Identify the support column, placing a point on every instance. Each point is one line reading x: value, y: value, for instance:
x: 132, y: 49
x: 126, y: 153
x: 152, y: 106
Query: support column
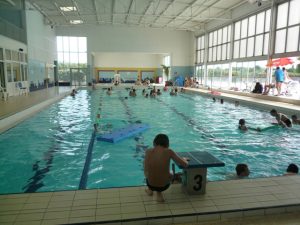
x: 205, y: 58
x: 271, y: 39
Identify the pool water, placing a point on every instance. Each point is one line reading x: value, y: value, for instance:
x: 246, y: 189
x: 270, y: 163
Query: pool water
x: 48, y: 152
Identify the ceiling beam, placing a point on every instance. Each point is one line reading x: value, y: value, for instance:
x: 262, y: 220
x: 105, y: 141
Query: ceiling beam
x: 182, y: 11
x: 146, y: 9
x: 228, y: 10
x: 196, y: 4
x: 193, y: 18
x: 128, y: 11
x: 207, y: 7
x: 96, y: 11
x: 170, y: 3
x: 129, y: 24
x: 112, y: 11
x: 58, y: 9
x: 78, y: 12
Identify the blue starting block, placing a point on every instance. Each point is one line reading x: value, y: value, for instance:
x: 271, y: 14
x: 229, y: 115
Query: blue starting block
x: 123, y: 133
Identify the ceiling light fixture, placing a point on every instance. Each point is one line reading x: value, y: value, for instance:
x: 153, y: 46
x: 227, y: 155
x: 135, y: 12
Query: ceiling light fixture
x: 68, y: 8
x: 76, y: 21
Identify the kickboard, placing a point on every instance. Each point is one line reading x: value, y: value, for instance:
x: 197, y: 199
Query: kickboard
x: 123, y: 133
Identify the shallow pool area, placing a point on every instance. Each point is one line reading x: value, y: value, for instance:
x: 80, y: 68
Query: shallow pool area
x: 50, y: 149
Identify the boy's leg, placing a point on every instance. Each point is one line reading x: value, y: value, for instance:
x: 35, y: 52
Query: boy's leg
x: 148, y: 191
x: 160, y: 197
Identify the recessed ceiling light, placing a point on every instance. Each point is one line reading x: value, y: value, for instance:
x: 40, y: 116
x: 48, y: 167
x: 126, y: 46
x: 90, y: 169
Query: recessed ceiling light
x: 68, y: 8
x: 76, y: 21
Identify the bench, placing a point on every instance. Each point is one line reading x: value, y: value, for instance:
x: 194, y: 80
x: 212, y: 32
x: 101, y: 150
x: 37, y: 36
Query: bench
x: 194, y: 176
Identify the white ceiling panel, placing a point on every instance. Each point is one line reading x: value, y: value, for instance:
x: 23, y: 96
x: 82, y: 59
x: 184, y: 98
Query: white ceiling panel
x: 177, y: 14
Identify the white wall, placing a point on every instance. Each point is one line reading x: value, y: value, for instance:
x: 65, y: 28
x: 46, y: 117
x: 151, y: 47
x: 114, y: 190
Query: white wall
x: 40, y: 37
x: 141, y: 60
x: 11, y: 44
x: 179, y: 44
x: 41, y: 42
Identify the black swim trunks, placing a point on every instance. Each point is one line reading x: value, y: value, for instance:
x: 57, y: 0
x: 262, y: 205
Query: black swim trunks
x: 158, y: 189
x: 288, y: 122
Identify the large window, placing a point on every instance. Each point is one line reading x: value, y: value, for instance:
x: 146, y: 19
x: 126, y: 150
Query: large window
x: 246, y: 74
x: 167, y: 60
x: 243, y: 43
x: 218, y: 76
x: 200, y: 50
x: 251, y: 35
x: 287, y: 27
x: 16, y: 66
x: 200, y: 74
x: 219, y: 44
x: 71, y: 53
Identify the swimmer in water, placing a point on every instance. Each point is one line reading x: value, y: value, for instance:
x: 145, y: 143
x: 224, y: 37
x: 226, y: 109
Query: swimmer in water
x: 242, y: 126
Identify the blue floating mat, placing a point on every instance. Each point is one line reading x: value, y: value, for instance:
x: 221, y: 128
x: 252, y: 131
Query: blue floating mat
x: 123, y: 133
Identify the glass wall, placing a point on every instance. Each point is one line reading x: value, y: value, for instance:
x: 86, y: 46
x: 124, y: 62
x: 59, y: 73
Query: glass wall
x: 218, y: 76
x: 224, y: 76
x: 219, y: 44
x: 71, y: 53
x: 200, y: 75
x: 251, y: 35
x: 200, y: 50
x: 249, y: 39
x: 246, y: 74
x: 287, y: 27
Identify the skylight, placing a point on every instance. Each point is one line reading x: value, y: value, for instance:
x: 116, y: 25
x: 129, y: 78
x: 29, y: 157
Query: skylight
x: 68, y: 8
x: 76, y: 21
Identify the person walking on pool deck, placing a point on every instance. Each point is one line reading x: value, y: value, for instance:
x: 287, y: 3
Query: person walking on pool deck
x: 157, y: 166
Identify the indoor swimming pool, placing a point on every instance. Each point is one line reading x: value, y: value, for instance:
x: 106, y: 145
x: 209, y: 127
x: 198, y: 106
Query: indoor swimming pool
x: 49, y: 151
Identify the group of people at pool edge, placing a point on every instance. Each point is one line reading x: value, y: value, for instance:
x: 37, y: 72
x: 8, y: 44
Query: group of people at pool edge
x: 281, y: 77
x: 153, y: 91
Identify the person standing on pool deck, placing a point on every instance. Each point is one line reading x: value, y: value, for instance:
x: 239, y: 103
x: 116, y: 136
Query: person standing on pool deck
x: 279, y: 77
x: 157, y: 166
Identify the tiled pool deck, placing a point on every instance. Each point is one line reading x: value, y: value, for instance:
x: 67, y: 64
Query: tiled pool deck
x: 274, y: 200
x: 225, y: 201
x: 282, y: 104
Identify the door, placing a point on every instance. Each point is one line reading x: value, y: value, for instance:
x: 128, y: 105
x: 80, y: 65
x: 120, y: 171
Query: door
x: 78, y: 76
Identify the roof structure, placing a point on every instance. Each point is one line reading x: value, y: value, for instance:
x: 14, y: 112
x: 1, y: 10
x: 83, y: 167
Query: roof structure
x: 190, y: 15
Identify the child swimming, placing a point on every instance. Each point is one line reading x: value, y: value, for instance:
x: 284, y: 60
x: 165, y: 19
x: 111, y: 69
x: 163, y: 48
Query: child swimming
x: 242, y: 126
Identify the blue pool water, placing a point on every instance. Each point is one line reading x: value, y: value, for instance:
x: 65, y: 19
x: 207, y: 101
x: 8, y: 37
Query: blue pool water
x: 48, y: 152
